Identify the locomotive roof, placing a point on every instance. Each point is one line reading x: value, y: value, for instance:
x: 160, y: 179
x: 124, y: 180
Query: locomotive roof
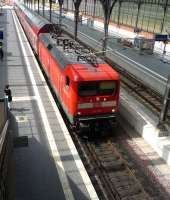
x: 32, y: 16
x: 89, y: 73
x: 64, y: 57
x: 81, y: 69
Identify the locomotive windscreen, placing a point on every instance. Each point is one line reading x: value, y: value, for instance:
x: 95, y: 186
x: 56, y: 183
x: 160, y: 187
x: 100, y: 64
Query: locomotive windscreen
x: 97, y: 88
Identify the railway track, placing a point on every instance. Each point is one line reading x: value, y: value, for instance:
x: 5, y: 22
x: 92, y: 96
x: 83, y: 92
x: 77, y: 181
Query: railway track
x: 147, y: 96
x: 113, y: 177
x: 112, y: 171
x: 109, y: 171
x: 122, y: 184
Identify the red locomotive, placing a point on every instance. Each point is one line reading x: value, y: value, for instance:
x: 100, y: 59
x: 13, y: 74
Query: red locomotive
x: 87, y: 87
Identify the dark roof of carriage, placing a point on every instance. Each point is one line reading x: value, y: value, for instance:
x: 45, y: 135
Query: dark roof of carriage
x: 33, y: 17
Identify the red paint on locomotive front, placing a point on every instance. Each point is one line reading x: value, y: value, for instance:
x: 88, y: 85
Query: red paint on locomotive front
x: 85, y: 73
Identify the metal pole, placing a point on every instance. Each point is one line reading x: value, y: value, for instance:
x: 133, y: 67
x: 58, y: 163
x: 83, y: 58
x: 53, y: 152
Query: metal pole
x: 137, y: 18
x: 31, y: 4
x: 76, y: 16
x: 106, y: 29
x: 94, y: 12
x: 38, y: 6
x: 43, y: 7
x: 34, y: 5
x: 60, y: 16
x: 107, y: 6
x: 6, y: 107
x: 118, y: 20
x: 76, y: 19
x: 50, y: 10
x: 165, y: 11
x: 67, y: 5
x: 164, y: 52
x: 85, y: 10
x: 165, y: 106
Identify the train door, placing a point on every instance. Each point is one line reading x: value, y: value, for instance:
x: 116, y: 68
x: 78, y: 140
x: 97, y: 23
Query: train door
x: 66, y: 93
x: 55, y: 76
x: 61, y: 86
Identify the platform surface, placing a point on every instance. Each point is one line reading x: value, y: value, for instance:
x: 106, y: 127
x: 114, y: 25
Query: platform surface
x: 48, y: 166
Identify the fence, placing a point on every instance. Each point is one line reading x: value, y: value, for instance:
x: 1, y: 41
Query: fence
x: 5, y: 148
x: 3, y: 113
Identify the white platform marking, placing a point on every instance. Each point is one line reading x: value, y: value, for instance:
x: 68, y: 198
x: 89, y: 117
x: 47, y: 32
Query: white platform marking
x: 24, y: 98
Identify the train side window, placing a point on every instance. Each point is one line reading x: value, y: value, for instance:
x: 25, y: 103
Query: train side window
x: 67, y: 82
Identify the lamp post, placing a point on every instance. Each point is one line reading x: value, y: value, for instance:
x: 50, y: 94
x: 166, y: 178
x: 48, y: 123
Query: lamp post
x: 76, y: 16
x: 163, y: 115
x: 107, y: 6
x: 166, y: 101
x: 165, y: 43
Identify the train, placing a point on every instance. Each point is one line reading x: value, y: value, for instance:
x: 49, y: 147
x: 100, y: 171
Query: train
x: 87, y: 88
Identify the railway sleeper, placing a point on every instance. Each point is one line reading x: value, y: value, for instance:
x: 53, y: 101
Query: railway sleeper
x: 103, y: 145
x: 116, y: 166
x: 104, y: 153
x: 102, y: 149
x: 123, y: 183
x: 129, y: 190
x: 132, y: 188
x: 119, y: 183
x: 109, y: 154
x: 141, y: 196
x: 121, y: 175
x: 108, y: 159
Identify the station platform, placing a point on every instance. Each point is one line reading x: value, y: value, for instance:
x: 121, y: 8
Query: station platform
x: 46, y: 164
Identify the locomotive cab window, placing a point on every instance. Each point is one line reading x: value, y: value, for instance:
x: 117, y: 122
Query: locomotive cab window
x: 106, y: 87
x: 97, y: 88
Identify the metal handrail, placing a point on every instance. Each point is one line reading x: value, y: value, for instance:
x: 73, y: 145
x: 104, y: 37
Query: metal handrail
x: 3, y: 120
x: 3, y: 135
x: 5, y: 147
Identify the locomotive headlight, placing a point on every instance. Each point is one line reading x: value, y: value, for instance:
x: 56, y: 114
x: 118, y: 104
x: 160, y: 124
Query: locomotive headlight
x: 97, y: 99
x: 79, y: 113
x: 113, y: 110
